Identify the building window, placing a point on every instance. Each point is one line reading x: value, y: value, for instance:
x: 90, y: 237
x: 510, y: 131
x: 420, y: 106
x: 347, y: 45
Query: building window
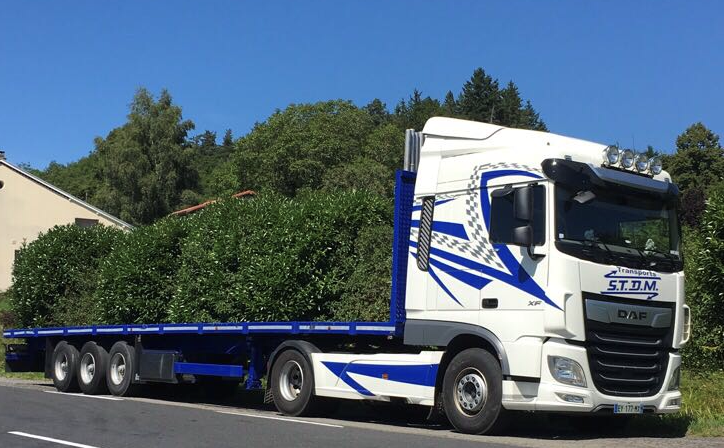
x: 83, y: 222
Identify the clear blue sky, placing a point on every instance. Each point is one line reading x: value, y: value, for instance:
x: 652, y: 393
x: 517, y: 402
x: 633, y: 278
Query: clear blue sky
x: 606, y: 71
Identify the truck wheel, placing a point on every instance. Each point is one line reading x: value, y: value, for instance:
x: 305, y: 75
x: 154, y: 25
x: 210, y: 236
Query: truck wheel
x: 293, y: 384
x: 92, y: 369
x: 121, y: 366
x: 65, y: 365
x: 472, y: 391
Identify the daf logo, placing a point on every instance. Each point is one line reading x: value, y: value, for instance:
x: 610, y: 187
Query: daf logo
x: 632, y: 315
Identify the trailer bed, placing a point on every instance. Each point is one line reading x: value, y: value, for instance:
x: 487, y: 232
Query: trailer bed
x: 243, y: 328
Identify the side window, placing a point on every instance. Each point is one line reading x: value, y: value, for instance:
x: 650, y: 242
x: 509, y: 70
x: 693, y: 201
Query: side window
x: 425, y: 234
x: 503, y: 221
x: 83, y: 222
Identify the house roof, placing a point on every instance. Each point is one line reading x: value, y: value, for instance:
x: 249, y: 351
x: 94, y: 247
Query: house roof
x: 195, y: 208
x: 66, y: 195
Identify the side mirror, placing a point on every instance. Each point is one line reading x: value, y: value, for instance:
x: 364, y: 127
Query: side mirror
x: 522, y: 236
x: 523, y: 203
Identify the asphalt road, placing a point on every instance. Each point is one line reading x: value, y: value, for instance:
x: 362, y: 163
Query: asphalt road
x: 33, y: 415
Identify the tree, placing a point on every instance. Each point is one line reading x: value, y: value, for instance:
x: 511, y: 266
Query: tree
x: 378, y: 111
x: 294, y: 148
x: 698, y: 159
x: 480, y: 97
x: 531, y: 119
x: 450, y: 106
x: 228, y: 141
x: 510, y: 111
x: 145, y: 165
x: 413, y: 113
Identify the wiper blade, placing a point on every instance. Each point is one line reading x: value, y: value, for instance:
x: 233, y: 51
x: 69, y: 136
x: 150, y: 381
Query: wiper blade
x: 669, y: 256
x: 594, y: 244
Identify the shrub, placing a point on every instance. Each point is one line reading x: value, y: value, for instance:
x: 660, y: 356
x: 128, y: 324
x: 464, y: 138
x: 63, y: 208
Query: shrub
x: 54, y: 277
x: 273, y: 258
x: 704, y: 258
x: 138, y: 279
x: 366, y: 293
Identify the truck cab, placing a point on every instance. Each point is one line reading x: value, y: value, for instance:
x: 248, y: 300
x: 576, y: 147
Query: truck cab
x: 559, y: 256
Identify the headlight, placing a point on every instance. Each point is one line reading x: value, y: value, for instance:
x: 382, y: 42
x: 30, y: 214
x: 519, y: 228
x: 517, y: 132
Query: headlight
x: 627, y: 159
x: 566, y: 371
x: 611, y: 155
x: 642, y: 163
x: 655, y: 166
x: 675, y: 379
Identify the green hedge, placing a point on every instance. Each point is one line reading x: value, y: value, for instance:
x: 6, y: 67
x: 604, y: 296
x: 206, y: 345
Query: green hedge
x: 55, y: 276
x: 320, y: 256
x: 273, y: 259
x: 137, y: 281
x: 704, y: 269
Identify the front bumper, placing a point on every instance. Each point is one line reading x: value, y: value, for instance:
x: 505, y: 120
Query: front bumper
x: 548, y: 395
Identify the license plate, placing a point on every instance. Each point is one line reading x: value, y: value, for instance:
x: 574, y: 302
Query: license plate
x: 628, y: 408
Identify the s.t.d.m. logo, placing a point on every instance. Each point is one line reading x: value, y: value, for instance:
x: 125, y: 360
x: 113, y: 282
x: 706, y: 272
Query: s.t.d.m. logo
x: 632, y: 282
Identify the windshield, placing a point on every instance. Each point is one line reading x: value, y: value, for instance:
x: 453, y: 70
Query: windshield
x: 635, y: 230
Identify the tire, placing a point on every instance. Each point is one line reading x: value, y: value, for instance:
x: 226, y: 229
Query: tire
x: 293, y: 384
x: 65, y: 367
x: 121, y: 367
x: 473, y: 392
x: 92, y: 367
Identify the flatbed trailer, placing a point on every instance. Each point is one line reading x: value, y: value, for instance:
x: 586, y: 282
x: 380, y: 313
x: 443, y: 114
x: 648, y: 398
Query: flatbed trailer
x: 520, y: 282
x: 238, y: 349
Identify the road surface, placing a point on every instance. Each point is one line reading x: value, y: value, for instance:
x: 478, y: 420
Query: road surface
x: 33, y: 415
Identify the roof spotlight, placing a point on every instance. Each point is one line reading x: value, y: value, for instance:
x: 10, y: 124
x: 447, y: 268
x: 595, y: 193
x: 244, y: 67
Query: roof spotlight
x: 627, y: 159
x: 611, y: 155
x: 655, y: 166
x: 642, y: 162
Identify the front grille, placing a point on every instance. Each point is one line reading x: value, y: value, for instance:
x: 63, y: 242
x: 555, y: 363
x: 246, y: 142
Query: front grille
x: 627, y: 360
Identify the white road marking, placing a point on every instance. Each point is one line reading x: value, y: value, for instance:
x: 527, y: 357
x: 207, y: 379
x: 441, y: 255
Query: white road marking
x: 49, y: 439
x: 280, y: 418
x: 100, y: 397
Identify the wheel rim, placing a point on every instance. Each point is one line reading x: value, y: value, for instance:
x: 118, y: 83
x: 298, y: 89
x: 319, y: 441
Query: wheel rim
x: 118, y: 368
x: 471, y: 391
x: 87, y: 368
x: 291, y: 380
x: 61, y: 367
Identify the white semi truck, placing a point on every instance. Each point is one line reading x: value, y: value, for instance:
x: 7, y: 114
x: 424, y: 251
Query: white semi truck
x: 531, y: 272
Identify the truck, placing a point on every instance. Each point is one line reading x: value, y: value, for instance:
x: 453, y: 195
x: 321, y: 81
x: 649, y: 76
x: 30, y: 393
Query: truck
x: 530, y: 272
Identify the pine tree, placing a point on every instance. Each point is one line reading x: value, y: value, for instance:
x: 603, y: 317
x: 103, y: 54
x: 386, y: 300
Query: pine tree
x: 228, y: 140
x: 450, y: 106
x: 378, y: 111
x: 480, y: 97
x: 511, y: 108
x: 531, y: 119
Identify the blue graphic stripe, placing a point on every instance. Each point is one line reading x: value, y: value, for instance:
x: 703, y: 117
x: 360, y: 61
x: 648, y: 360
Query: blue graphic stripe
x: 417, y: 208
x: 439, y: 282
x: 448, y: 228
x: 416, y: 374
x: 466, y: 277
x: 519, y: 277
x: 338, y: 368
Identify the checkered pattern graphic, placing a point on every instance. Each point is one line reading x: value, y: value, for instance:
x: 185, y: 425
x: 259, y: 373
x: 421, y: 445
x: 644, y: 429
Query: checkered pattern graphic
x: 479, y: 246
